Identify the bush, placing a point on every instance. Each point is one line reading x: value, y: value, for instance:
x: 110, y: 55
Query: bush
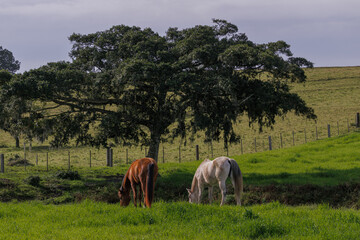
x: 71, y: 175
x: 18, y: 161
x: 33, y: 181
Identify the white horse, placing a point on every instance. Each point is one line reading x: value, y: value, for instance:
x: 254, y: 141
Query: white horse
x: 215, y: 172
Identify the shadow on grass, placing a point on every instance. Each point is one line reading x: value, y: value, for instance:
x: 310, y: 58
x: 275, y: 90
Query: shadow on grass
x: 318, y: 176
x: 172, y: 187
x: 337, y: 188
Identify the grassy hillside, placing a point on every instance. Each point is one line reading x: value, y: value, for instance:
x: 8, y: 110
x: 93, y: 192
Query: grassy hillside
x: 325, y: 171
x: 334, y: 93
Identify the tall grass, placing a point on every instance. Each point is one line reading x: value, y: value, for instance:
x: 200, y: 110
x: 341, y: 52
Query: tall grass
x: 90, y: 220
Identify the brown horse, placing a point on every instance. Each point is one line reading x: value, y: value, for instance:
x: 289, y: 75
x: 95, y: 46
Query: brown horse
x: 142, y: 172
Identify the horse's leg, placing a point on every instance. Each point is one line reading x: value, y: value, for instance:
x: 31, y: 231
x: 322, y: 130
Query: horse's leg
x: 143, y: 189
x: 133, y: 187
x: 210, y: 194
x: 140, y: 196
x: 222, y: 186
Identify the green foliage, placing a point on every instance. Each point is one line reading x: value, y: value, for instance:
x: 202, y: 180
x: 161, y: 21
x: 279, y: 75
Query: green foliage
x: 7, y: 61
x: 5, y: 77
x: 33, y: 181
x: 71, y: 175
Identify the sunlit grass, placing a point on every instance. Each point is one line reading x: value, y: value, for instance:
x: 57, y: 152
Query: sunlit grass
x: 90, y: 220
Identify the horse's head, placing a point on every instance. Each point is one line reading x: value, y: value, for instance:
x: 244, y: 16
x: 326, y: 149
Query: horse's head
x: 124, y: 197
x: 192, y: 196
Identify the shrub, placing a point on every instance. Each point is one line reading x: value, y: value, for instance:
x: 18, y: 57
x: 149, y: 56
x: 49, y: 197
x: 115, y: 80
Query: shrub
x: 71, y: 175
x: 33, y: 181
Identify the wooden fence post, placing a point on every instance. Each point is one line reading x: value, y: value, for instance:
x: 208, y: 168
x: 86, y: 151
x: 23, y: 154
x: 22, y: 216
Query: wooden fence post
x: 25, y: 155
x: 316, y: 132
x: 293, y: 133
x: 197, y: 152
x: 108, y: 152
x: 255, y: 143
x: 270, y: 146
x: 329, y: 133
x: 127, y: 156
x: 163, y: 154
x: 241, y: 143
x: 47, y: 161
x: 2, y: 163
x: 37, y: 160
x: 348, y: 125
x: 111, y: 157
x: 90, y: 158
x: 107, y: 157
x: 358, y: 120
x: 179, y: 154
x: 68, y: 160
x: 281, y: 142
x: 305, y: 135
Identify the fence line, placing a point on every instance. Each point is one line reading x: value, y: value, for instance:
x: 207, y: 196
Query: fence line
x: 188, y: 153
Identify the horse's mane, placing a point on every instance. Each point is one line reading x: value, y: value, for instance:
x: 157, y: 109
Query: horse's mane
x: 194, y: 183
x: 125, y: 185
x: 195, y: 180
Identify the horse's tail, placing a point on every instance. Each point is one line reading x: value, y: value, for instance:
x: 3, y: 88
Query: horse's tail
x: 150, y: 181
x: 236, y: 179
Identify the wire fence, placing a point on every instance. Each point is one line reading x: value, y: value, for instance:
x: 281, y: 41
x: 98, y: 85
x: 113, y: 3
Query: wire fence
x: 46, y: 158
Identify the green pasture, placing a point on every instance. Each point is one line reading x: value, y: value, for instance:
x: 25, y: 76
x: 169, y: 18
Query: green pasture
x: 307, y: 191
x: 177, y: 220
x: 324, y: 171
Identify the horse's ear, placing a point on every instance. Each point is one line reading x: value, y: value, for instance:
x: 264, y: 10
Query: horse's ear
x: 189, y: 191
x: 121, y: 189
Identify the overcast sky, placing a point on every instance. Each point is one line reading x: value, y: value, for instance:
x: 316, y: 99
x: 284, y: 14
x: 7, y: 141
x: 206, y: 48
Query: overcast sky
x: 326, y: 32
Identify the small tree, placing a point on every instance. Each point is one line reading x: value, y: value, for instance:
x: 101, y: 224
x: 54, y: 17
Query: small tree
x: 8, y: 66
x: 7, y: 61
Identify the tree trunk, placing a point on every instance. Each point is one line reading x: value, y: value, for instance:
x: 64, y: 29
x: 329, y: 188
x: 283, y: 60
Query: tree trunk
x: 17, y: 142
x: 154, y: 146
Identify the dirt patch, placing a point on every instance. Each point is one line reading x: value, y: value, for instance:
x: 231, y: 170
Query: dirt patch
x: 18, y: 161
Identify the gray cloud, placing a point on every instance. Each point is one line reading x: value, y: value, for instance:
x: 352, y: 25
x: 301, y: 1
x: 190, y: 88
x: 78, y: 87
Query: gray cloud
x: 323, y: 31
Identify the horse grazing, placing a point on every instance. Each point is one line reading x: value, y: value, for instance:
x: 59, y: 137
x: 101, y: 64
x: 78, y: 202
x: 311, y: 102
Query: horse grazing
x: 142, y: 172
x: 215, y: 172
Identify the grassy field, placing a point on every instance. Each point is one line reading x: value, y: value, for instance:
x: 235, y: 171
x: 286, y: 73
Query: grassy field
x: 334, y: 93
x: 307, y: 191
x: 89, y: 220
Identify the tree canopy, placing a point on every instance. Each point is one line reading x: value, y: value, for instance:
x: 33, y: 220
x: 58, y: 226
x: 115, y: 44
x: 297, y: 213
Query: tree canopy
x: 7, y: 61
x: 10, y: 111
x: 136, y: 86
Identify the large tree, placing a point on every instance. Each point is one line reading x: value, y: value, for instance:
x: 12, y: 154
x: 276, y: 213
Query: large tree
x: 135, y: 85
x: 7, y: 61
